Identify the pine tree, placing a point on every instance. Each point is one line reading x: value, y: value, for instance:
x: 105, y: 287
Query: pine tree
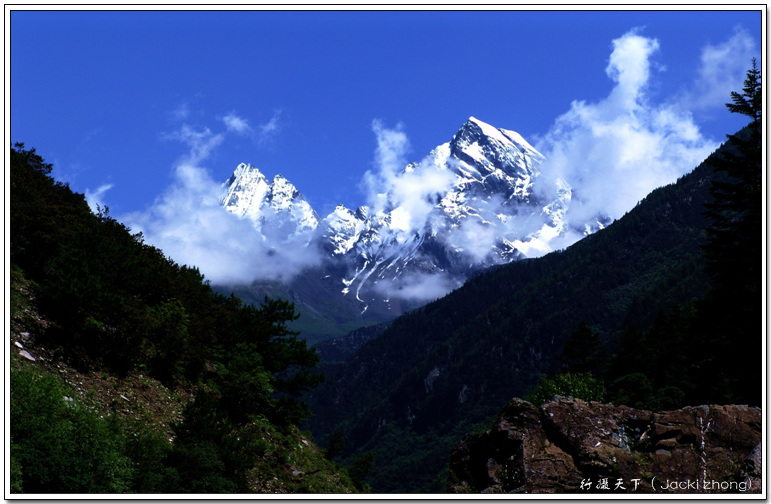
x: 582, y: 352
x: 750, y: 102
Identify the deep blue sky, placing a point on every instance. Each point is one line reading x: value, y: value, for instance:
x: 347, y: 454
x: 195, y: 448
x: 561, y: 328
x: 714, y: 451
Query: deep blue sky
x: 118, y: 98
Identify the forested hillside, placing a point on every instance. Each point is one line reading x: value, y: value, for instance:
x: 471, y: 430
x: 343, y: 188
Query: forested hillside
x: 94, y: 307
x: 661, y: 309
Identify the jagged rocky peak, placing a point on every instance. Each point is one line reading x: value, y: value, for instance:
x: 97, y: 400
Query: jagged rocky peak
x: 277, y: 209
x: 341, y: 229
x: 244, y: 191
x: 246, y: 177
x: 246, y: 172
x: 488, y: 148
x: 283, y: 192
x: 362, y: 212
x: 477, y: 208
x: 341, y: 218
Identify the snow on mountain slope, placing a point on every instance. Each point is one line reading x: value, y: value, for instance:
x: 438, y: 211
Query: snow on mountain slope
x: 470, y: 204
x: 245, y: 191
x: 277, y: 209
x: 342, y: 228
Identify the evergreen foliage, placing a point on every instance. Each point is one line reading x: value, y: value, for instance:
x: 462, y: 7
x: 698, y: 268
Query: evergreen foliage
x: 335, y: 445
x: 208, y: 455
x: 582, y: 351
x: 733, y: 310
x: 660, y: 368
x: 44, y: 213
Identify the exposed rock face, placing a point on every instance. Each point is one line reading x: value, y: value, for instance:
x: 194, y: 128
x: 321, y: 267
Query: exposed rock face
x: 579, y: 447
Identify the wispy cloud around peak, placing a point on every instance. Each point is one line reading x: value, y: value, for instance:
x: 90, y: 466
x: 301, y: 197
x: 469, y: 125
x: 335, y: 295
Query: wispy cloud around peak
x: 405, y: 193
x: 188, y: 223
x: 390, y: 159
x: 614, y: 152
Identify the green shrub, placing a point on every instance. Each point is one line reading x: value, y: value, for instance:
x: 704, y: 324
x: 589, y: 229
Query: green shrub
x: 576, y: 385
x: 60, y: 446
x: 209, y: 455
x: 669, y: 397
x: 633, y: 390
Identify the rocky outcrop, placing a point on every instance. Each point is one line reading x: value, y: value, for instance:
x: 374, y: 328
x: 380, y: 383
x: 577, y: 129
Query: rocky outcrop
x: 573, y: 446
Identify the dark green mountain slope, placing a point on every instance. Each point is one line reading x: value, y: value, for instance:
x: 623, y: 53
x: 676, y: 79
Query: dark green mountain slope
x: 323, y: 315
x: 437, y: 371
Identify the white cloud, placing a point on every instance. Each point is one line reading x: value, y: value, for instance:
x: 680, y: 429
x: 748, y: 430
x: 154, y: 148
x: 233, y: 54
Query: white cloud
x: 199, y: 142
x: 630, y: 67
x: 614, y: 152
x: 187, y: 222
x: 392, y: 148
x: 182, y: 112
x: 406, y: 193
x: 723, y: 68
x: 390, y: 160
x: 269, y: 130
x: 420, y: 287
x: 236, y: 123
x: 474, y: 238
x: 95, y: 199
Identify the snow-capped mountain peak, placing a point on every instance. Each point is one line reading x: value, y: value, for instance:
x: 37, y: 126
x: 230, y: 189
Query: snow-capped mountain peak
x: 488, y: 148
x: 277, y: 209
x: 473, y: 206
x: 244, y: 191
